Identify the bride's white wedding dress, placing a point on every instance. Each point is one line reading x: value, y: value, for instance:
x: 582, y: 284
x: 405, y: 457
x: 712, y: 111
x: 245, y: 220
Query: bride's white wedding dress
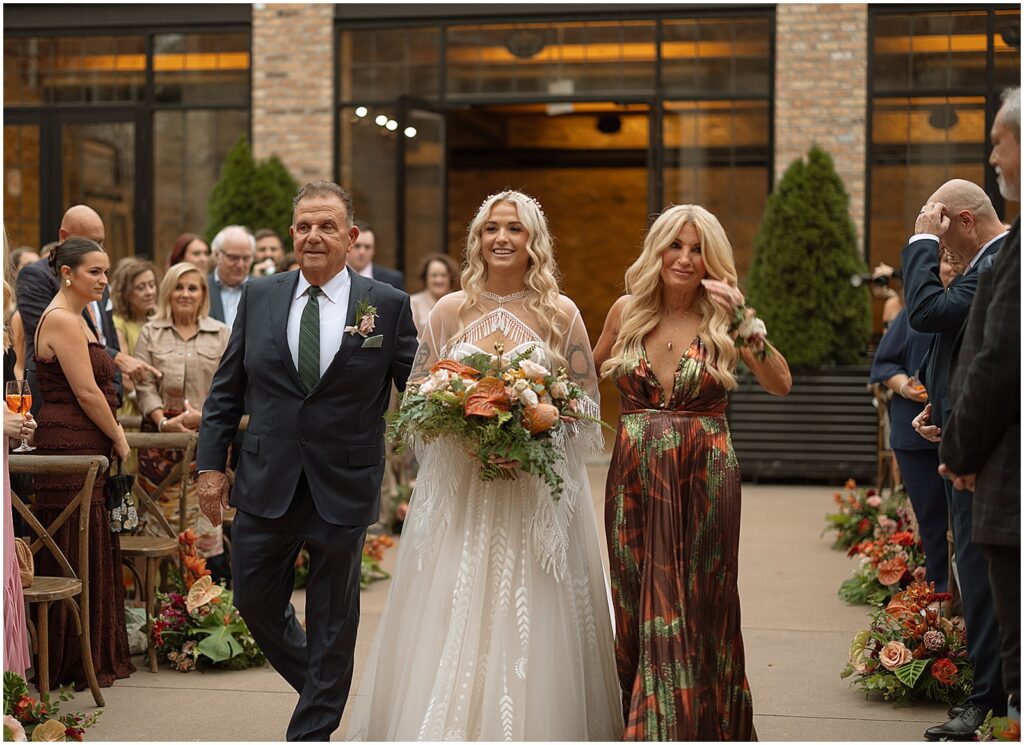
x: 497, y: 624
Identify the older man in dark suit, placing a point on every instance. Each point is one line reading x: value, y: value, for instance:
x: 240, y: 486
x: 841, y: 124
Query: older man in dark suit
x: 958, y: 217
x: 980, y: 448
x: 312, y: 358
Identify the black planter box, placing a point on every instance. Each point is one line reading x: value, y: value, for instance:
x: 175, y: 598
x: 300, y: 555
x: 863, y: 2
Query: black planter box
x: 825, y: 430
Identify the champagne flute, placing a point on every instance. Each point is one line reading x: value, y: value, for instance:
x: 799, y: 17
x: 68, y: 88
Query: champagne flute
x: 18, y: 397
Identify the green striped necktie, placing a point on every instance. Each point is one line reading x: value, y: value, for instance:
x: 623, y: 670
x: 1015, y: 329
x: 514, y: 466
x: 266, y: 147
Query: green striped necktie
x: 309, y: 340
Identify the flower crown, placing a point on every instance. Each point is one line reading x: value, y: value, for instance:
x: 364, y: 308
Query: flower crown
x: 513, y: 191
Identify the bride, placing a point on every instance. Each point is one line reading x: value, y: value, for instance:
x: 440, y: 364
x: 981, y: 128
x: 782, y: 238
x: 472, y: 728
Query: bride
x: 497, y: 623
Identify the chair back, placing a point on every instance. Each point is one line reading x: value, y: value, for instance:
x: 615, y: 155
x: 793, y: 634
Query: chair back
x: 88, y: 465
x: 185, y: 442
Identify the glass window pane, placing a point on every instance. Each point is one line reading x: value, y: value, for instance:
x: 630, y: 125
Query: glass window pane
x: 198, y: 69
x: 21, y: 184
x: 1007, y: 47
x: 716, y: 155
x: 99, y: 170
x: 378, y: 65
x: 548, y: 59
x: 930, y: 51
x: 368, y: 173
x: 719, y: 55
x: 188, y: 150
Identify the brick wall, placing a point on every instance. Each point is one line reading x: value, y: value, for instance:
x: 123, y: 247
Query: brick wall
x: 821, y: 91
x: 292, y: 86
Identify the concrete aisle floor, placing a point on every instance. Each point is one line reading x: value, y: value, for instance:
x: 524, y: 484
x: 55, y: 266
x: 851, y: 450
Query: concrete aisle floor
x: 796, y: 633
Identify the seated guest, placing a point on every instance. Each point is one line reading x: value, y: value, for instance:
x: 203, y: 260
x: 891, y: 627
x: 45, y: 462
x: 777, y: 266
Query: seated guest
x: 133, y: 295
x: 185, y: 344
x: 191, y: 248
x: 439, y: 275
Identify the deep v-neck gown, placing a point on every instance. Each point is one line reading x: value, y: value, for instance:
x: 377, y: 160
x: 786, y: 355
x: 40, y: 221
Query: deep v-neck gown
x: 672, y: 513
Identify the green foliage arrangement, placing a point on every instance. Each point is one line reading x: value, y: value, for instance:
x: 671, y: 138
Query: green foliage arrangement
x: 258, y: 195
x: 40, y: 720
x: 804, y: 255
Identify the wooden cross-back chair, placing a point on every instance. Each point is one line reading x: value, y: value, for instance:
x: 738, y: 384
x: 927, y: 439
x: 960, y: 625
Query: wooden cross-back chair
x: 153, y: 550
x: 72, y: 587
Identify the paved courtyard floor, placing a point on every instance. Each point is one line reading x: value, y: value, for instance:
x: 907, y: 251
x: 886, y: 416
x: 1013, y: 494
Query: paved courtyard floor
x: 796, y: 633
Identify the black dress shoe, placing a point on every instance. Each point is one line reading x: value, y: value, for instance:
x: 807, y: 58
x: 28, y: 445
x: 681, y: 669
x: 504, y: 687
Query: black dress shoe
x: 960, y: 727
x: 955, y: 711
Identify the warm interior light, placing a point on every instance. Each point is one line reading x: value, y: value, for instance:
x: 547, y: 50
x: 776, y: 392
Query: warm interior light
x: 392, y: 125
x: 410, y: 131
x: 381, y: 120
x: 361, y: 111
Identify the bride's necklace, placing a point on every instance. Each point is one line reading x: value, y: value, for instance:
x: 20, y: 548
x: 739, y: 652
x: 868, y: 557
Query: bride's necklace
x: 502, y: 299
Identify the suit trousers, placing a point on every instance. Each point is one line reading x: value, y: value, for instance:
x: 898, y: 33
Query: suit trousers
x: 316, y: 662
x: 927, y: 492
x: 1004, y: 578
x: 979, y: 608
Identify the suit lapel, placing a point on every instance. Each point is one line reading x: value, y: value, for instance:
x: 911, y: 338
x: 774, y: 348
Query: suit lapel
x: 361, y: 289
x: 280, y: 305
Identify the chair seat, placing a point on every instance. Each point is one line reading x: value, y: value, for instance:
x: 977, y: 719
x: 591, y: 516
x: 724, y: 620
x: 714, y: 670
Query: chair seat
x: 47, y: 589
x: 148, y: 546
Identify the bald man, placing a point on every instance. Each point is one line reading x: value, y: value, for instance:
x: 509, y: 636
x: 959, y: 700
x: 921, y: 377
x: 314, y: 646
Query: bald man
x: 959, y: 217
x: 36, y: 286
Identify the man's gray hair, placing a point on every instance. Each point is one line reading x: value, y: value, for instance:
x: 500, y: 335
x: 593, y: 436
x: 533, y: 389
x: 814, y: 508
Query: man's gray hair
x: 325, y: 189
x: 222, y: 235
x: 1011, y: 110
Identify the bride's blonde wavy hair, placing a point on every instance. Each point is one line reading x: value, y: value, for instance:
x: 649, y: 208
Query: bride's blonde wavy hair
x: 645, y: 287
x: 542, y: 274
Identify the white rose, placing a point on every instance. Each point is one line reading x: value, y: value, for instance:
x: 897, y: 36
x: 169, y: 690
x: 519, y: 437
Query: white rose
x: 519, y: 386
x: 533, y: 370
x: 759, y: 328
x: 435, y: 382
x: 752, y: 325
x: 560, y: 389
x: 528, y: 397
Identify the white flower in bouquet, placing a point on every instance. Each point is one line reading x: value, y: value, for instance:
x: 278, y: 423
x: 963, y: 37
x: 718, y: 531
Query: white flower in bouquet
x: 532, y: 370
x: 752, y: 325
x: 435, y: 382
x: 522, y: 391
x: 559, y: 390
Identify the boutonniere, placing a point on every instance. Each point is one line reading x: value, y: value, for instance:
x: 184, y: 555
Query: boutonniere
x: 366, y: 318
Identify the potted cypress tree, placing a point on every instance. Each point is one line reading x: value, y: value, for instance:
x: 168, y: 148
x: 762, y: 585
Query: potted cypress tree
x: 257, y: 195
x: 804, y: 255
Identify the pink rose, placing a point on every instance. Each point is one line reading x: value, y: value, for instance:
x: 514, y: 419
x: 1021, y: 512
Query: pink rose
x: 874, y: 501
x: 366, y: 324
x: 895, y: 654
x: 886, y: 524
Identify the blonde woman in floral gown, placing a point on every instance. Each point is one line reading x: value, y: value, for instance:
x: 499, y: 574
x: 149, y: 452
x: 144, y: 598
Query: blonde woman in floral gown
x: 497, y: 624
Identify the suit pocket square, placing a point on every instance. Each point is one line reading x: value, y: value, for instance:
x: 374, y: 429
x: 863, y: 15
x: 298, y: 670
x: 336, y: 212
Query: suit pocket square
x: 373, y: 342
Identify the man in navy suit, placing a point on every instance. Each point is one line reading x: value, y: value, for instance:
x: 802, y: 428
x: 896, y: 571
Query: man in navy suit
x: 361, y: 259
x: 960, y: 218
x: 36, y: 286
x: 233, y: 250
x: 312, y: 358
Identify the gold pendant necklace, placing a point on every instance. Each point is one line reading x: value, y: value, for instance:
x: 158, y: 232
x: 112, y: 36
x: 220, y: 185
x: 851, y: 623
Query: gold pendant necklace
x: 685, y: 314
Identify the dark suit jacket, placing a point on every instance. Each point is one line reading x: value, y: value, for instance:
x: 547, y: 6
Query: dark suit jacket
x: 982, y: 434
x: 934, y: 310
x: 335, y: 433
x: 392, y: 277
x: 36, y: 286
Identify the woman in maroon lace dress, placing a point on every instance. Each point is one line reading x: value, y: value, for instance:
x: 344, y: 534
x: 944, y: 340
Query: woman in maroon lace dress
x: 672, y: 505
x: 76, y: 381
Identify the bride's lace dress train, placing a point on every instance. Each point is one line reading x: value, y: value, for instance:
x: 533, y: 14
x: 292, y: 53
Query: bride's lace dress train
x: 497, y: 624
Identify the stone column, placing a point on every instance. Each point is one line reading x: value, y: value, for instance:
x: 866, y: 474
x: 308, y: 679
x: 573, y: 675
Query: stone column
x: 821, y: 66
x: 293, y: 87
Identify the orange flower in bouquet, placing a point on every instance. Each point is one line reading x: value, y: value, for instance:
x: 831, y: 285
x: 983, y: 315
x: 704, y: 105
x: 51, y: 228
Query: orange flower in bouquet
x: 891, y: 571
x: 944, y: 671
x: 487, y: 398
x: 463, y: 371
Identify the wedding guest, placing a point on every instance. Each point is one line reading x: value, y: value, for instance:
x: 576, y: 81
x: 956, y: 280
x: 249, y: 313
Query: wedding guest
x: 672, y: 504
x: 981, y: 447
x: 16, y: 652
x: 896, y: 365
x: 22, y: 257
x: 186, y: 344
x: 269, y: 252
x: 958, y: 216
x: 133, y: 295
x: 191, y: 248
x: 439, y: 275
x: 233, y: 250
x: 76, y: 376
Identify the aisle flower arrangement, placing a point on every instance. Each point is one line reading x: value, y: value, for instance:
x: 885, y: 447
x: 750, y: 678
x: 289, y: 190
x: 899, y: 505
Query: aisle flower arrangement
x: 888, y: 562
x: 862, y: 512
x: 998, y: 729
x: 27, y: 718
x: 911, y: 652
x: 196, y: 623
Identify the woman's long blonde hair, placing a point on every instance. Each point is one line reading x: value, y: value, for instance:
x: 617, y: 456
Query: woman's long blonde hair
x: 643, y: 310
x: 167, y: 285
x: 541, y: 275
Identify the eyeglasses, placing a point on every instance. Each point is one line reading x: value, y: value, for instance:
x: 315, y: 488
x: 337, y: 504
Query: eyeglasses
x: 237, y: 258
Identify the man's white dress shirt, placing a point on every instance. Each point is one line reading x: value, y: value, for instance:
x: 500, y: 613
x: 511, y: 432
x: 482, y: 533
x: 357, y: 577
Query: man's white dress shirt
x: 333, y: 312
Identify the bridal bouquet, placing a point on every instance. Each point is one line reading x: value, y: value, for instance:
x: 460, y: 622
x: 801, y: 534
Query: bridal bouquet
x: 499, y: 408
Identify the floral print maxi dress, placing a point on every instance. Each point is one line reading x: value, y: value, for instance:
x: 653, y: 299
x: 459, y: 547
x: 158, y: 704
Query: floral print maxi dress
x: 672, y: 512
